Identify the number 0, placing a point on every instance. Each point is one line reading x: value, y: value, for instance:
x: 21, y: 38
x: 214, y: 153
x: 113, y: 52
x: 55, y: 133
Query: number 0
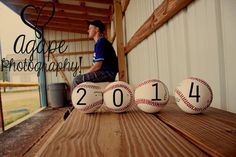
x: 114, y: 97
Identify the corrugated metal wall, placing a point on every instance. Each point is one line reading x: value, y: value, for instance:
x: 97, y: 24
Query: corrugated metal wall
x: 78, y: 46
x: 199, y: 41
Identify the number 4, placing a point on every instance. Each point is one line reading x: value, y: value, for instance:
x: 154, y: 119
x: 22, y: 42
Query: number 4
x: 197, y: 92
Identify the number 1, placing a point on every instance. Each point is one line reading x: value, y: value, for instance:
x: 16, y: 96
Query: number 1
x: 156, y: 85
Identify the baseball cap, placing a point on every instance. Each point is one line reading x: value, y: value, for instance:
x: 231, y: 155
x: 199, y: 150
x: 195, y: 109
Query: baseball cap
x: 98, y: 24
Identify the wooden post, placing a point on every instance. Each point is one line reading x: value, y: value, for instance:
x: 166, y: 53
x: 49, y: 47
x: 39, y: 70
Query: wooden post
x: 108, y: 31
x: 119, y: 39
x: 1, y: 114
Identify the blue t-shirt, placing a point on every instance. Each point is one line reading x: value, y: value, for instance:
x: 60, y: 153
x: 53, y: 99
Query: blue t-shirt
x: 106, y: 53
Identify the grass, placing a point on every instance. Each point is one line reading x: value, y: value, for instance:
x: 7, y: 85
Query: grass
x: 19, y: 104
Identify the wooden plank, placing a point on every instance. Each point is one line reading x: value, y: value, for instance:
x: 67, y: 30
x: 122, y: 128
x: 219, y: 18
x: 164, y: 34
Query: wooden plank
x: 19, y: 139
x: 63, y: 76
x: 120, y: 42
x: 124, y: 5
x: 134, y: 133
x: 213, y: 131
x: 1, y: 115
x: 113, y: 37
x: 18, y: 84
x: 160, y: 16
x: 66, y: 30
x: 61, y: 6
x: 73, y: 53
x: 73, y: 40
x: 83, y: 67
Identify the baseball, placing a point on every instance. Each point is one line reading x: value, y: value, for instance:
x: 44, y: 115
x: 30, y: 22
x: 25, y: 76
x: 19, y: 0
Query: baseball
x: 118, y: 96
x: 151, y: 95
x: 193, y: 95
x: 87, y: 97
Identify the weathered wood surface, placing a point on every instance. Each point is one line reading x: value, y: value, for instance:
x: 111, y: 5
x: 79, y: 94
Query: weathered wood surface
x: 213, y: 131
x: 20, y: 139
x: 134, y: 133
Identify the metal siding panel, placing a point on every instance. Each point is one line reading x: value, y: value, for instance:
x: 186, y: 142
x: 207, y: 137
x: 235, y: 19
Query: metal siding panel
x: 177, y: 50
x: 228, y: 15
x: 203, y: 45
x: 163, y: 54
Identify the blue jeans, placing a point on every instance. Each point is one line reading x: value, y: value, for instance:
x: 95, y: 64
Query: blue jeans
x: 98, y: 76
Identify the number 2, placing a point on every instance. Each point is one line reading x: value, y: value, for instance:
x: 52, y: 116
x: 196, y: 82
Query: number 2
x: 79, y: 102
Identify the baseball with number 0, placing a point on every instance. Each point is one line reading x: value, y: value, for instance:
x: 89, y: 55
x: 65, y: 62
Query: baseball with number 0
x: 151, y: 95
x: 87, y: 97
x: 118, y: 96
x: 193, y: 95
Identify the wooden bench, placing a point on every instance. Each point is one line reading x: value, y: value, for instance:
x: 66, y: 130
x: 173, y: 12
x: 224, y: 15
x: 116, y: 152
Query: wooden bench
x: 135, y: 133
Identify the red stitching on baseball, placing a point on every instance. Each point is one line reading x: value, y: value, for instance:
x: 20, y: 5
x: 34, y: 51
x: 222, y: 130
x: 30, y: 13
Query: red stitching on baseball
x: 203, y: 82
x: 148, y: 81
x: 186, y: 102
x: 149, y: 102
x: 129, y: 91
x: 89, y: 86
x: 90, y: 106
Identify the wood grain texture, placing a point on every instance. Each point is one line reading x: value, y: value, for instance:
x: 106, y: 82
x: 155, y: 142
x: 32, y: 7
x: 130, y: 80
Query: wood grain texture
x: 133, y: 133
x: 21, y: 138
x: 213, y: 131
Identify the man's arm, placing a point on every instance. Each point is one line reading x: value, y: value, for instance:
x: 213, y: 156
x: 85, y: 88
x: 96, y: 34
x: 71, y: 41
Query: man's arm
x: 97, y: 66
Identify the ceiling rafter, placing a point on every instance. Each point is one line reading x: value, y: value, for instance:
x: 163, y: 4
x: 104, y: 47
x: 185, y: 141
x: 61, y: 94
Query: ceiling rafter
x: 62, y: 6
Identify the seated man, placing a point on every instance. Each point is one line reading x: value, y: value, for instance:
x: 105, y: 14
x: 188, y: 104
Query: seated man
x: 105, y: 62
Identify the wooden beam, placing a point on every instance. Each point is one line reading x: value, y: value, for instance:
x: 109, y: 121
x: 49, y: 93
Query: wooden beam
x: 82, y: 67
x: 2, y: 128
x: 108, y: 31
x: 73, y: 53
x: 113, y: 37
x: 119, y: 39
x: 66, y: 30
x: 97, y: 1
x: 160, y: 16
x: 74, y: 40
x: 81, y: 16
x: 63, y: 25
x: 63, y: 76
x: 124, y: 5
x: 18, y: 84
x: 61, y: 6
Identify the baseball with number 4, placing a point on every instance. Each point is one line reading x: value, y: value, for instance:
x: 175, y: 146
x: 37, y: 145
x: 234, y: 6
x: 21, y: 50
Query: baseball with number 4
x: 193, y: 95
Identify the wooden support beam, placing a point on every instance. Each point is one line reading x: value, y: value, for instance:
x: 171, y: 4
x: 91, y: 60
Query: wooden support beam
x: 113, y: 37
x: 73, y: 53
x: 2, y: 128
x: 66, y: 30
x: 82, y: 67
x: 108, y: 31
x: 120, y: 42
x: 60, y: 72
x: 60, y: 6
x: 98, y: 1
x: 18, y: 84
x: 160, y: 16
x: 74, y: 40
x: 124, y: 5
x: 81, y: 16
